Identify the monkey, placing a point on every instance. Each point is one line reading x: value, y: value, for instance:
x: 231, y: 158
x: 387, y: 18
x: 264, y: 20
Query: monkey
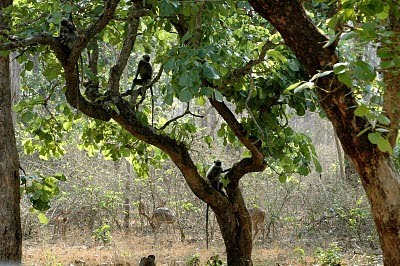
x: 68, y: 34
x: 68, y: 38
x: 214, y: 176
x: 149, y: 261
x: 145, y: 71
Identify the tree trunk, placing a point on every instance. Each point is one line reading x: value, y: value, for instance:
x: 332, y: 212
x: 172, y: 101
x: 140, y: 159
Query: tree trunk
x: 235, y: 225
x: 383, y: 190
x: 381, y: 183
x: 10, y: 225
x: 237, y: 241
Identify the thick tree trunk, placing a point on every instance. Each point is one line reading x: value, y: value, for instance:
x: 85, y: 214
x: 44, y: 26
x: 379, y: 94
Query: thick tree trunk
x: 235, y: 225
x: 380, y: 181
x: 383, y: 190
x: 10, y: 225
x: 237, y: 238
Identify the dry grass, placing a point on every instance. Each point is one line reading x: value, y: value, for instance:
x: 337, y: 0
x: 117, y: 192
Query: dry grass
x: 128, y: 250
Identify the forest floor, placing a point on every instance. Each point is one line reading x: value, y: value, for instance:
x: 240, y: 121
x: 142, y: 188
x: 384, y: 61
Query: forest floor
x: 129, y: 249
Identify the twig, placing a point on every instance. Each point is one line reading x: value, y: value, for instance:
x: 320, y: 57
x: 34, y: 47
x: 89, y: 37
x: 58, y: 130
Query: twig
x: 187, y: 112
x: 250, y: 112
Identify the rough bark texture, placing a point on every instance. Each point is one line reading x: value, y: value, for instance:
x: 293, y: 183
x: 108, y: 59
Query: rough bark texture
x: 380, y: 181
x: 10, y: 225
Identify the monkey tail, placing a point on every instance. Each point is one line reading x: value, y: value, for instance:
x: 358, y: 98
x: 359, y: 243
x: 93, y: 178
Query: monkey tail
x: 152, y: 106
x: 207, y: 226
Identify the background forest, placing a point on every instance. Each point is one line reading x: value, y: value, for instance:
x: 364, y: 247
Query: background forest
x: 298, y: 99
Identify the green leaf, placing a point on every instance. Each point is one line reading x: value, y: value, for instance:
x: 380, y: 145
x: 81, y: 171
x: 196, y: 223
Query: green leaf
x: 207, y: 91
x: 340, y: 68
x: 166, y: 9
x: 67, y: 125
x: 276, y: 55
x: 56, y: 17
x: 208, y: 139
x: 169, y: 98
x: 185, y: 81
x: 346, y: 79
x: 210, y: 72
x: 363, y: 71
x: 142, y: 118
x: 282, y: 178
x: 218, y: 96
x: 331, y: 40
x: 385, y: 52
x: 293, y: 86
x: 374, y: 137
x: 27, y: 116
x: 384, y: 120
x: 384, y: 145
x: 303, y: 170
x: 29, y: 65
x: 185, y: 95
x: 333, y: 22
x: 60, y: 177
x: 317, y: 165
x: 361, y: 110
x: 349, y: 35
x: 42, y: 218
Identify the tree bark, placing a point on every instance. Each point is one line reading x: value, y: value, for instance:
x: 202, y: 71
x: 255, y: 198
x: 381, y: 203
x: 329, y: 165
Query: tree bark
x: 235, y: 225
x: 10, y: 225
x: 381, y: 183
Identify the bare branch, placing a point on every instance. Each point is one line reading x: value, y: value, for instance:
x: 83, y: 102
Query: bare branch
x: 30, y: 41
x: 157, y: 78
x: 187, y: 112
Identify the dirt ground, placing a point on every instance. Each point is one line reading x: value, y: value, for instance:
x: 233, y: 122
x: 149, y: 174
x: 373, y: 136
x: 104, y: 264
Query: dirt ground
x: 77, y: 249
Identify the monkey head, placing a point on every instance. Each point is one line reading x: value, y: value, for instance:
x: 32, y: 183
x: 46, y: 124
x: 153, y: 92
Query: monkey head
x: 146, y: 58
x: 217, y: 163
x: 64, y: 22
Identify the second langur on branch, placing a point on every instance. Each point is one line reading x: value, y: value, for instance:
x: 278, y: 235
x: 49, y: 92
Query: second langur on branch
x: 145, y: 72
x: 214, y: 175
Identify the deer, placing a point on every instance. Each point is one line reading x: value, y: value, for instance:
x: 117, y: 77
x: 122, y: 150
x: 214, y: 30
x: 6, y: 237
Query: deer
x: 143, y: 210
x: 60, y: 223
x: 257, y: 216
x: 163, y: 215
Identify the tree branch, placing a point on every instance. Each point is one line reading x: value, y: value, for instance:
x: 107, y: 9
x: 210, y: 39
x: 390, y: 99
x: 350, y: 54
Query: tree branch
x: 178, y: 117
x: 244, y: 70
x: 118, y: 68
x: 108, y: 13
x: 256, y: 162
